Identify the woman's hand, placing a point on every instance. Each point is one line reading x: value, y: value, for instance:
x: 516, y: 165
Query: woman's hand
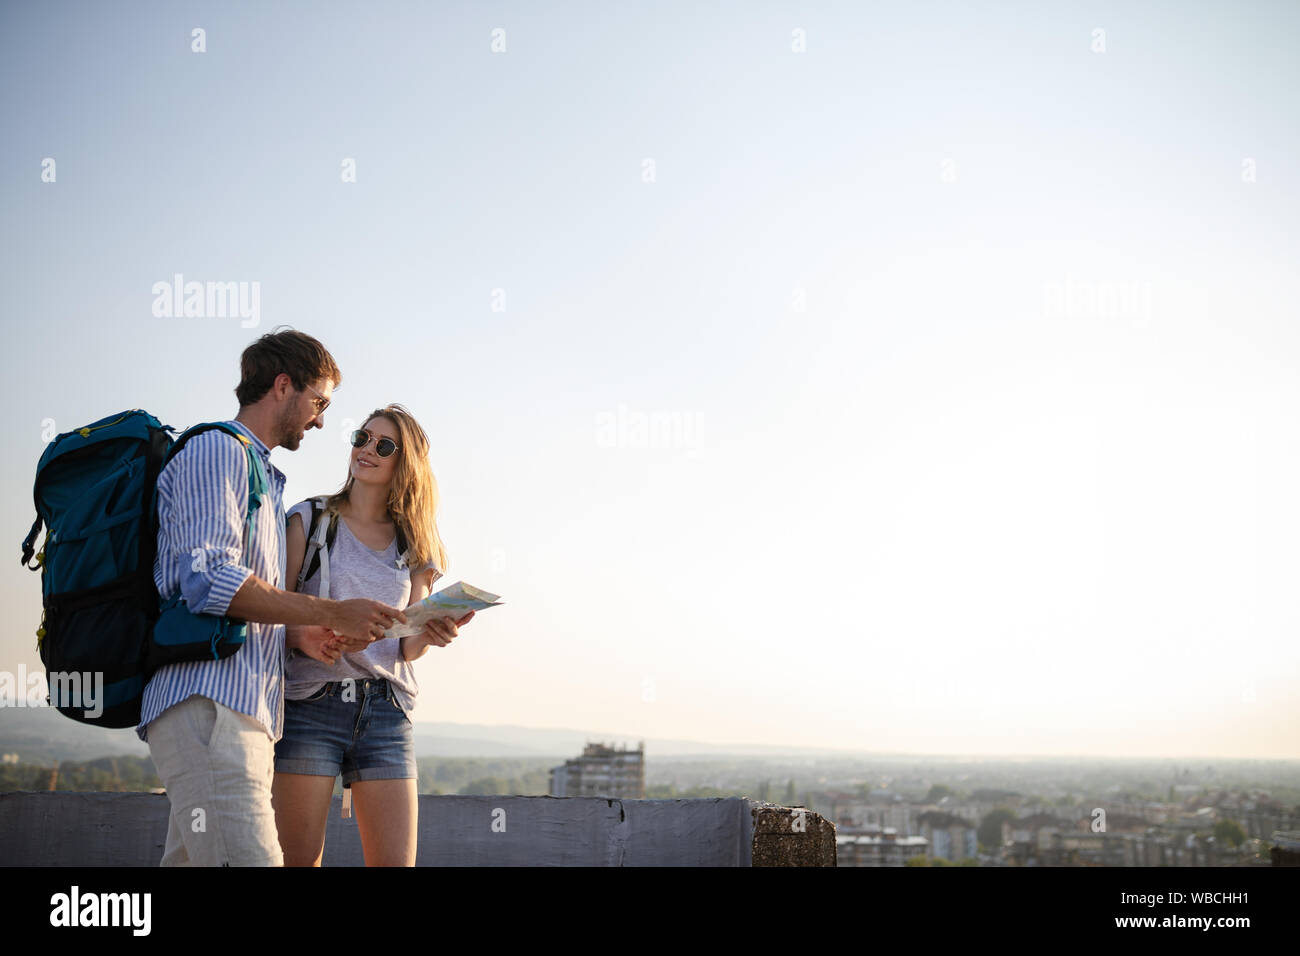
x: 435, y: 634
x: 442, y: 631
x: 318, y: 643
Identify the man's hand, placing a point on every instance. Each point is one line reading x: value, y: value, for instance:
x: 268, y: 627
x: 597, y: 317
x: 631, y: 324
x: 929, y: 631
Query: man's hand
x: 364, y: 620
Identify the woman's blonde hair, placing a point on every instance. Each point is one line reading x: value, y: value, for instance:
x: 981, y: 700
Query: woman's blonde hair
x: 413, y: 494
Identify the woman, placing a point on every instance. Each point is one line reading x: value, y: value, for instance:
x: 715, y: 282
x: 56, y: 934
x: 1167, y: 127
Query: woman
x: 347, y: 704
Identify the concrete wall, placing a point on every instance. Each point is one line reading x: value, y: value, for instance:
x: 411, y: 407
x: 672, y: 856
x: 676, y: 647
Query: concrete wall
x: 129, y: 829
x: 791, y: 836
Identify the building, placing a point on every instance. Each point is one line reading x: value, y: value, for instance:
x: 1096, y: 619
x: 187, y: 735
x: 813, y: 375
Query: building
x: 602, y: 771
x: 949, y: 836
x: 878, y: 848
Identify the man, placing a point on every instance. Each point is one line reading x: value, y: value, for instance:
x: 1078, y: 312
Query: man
x: 211, y: 726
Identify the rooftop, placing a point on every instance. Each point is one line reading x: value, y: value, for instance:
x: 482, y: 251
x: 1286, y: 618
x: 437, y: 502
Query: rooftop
x: 62, y: 828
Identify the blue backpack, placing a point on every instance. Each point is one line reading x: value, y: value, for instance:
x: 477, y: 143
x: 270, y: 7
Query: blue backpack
x: 104, y: 631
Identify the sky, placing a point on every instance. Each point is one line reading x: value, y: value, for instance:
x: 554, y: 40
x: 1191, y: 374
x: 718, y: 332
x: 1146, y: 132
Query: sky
x: 904, y: 377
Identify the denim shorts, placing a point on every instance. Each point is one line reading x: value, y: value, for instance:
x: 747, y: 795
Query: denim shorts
x: 366, y: 738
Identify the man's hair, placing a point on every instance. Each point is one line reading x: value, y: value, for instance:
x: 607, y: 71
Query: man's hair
x: 295, y: 353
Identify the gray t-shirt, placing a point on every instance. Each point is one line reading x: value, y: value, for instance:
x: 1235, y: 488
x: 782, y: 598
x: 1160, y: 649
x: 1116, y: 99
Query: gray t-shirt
x: 358, y: 572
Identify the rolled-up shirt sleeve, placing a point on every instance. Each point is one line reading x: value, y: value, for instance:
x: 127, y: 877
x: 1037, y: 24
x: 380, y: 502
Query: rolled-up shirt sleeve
x: 437, y: 572
x: 202, y: 510
x: 418, y: 575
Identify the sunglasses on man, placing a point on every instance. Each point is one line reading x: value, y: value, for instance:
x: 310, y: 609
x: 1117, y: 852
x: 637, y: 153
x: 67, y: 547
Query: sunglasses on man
x: 383, y: 448
x: 320, y: 402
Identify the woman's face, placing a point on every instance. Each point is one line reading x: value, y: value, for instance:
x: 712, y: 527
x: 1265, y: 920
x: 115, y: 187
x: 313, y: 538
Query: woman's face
x: 366, y: 466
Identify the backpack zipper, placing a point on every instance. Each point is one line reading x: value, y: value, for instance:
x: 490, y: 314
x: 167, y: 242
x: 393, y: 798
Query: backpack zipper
x: 85, y: 430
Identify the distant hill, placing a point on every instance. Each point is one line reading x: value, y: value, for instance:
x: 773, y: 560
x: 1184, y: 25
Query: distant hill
x: 43, y: 736
x: 40, y: 735
x: 446, y: 739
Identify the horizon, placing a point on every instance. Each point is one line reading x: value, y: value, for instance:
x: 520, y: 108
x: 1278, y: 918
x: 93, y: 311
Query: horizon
x: 426, y: 728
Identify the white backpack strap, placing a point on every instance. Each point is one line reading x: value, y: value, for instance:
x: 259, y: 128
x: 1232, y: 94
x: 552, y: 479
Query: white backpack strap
x: 316, y: 543
x: 320, y: 537
x: 324, y: 561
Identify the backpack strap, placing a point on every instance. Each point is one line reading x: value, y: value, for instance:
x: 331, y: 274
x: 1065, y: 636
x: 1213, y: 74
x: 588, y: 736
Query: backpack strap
x: 324, y: 552
x: 319, y: 540
x: 257, y: 484
x: 159, y: 444
x: 29, y: 547
x: 403, y: 550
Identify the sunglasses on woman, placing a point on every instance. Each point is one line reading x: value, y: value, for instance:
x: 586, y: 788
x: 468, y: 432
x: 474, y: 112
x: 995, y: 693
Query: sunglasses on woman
x: 383, y: 448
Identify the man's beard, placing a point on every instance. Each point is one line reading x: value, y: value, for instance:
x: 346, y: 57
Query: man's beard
x: 288, y: 433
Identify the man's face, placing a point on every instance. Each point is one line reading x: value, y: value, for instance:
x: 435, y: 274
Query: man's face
x: 303, y: 410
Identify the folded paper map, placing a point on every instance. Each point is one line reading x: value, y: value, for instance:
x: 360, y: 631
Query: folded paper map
x: 452, y: 602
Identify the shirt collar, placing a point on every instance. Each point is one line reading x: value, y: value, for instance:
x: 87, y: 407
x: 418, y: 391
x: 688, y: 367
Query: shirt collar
x: 260, y: 446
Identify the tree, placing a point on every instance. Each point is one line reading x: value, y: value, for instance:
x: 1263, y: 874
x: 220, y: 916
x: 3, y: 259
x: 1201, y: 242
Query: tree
x: 989, y: 833
x: 938, y: 792
x: 485, y: 785
x: 1229, y: 831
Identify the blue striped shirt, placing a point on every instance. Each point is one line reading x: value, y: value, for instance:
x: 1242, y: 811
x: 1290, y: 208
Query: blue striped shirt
x: 202, y: 512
